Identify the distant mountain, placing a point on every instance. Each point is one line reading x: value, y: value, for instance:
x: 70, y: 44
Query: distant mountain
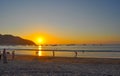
x: 14, y: 40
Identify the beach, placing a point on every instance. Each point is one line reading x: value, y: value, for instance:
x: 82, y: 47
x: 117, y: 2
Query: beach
x: 24, y: 65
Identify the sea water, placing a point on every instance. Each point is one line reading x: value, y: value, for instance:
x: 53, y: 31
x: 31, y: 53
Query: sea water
x: 90, y: 51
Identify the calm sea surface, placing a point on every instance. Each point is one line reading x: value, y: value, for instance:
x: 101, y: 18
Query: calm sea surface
x: 92, y: 51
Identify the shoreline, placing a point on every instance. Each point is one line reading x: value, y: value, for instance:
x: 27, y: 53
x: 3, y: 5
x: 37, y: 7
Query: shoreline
x: 82, y: 60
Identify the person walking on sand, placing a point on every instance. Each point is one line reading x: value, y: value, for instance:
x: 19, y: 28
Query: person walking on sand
x: 4, y: 56
x: 13, y: 55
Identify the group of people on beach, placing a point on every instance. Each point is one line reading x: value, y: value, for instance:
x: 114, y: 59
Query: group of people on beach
x: 3, y: 55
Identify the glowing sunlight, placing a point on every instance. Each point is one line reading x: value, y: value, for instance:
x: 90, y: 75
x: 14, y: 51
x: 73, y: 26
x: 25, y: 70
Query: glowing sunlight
x: 40, y: 40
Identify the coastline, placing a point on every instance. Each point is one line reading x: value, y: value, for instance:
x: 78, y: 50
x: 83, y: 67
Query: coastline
x: 60, y: 66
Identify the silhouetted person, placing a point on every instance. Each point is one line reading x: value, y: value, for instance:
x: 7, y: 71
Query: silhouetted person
x: 53, y: 53
x: 36, y: 52
x: 13, y: 55
x: 0, y: 55
x: 4, y: 56
x: 75, y: 53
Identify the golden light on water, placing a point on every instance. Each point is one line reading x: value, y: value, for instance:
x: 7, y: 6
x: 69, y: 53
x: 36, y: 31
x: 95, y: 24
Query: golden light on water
x: 39, y: 52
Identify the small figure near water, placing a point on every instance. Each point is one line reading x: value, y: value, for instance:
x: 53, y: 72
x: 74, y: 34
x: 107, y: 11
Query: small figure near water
x: 13, y: 55
x: 75, y: 53
x: 37, y: 53
x: 53, y: 53
x: 4, y: 56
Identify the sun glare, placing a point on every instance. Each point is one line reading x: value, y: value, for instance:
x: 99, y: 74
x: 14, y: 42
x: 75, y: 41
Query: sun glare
x: 40, y: 40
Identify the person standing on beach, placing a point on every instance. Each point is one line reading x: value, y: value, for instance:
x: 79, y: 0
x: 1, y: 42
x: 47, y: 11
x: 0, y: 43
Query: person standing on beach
x: 0, y: 55
x: 13, y: 55
x: 37, y: 53
x: 4, y: 56
x: 75, y: 53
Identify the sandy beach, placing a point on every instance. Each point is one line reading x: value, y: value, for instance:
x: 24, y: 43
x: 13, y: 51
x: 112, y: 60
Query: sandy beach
x: 60, y: 66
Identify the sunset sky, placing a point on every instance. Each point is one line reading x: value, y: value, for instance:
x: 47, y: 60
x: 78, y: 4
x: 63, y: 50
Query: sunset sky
x: 62, y: 21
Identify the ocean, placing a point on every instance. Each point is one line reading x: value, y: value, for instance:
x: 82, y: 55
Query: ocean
x: 89, y: 50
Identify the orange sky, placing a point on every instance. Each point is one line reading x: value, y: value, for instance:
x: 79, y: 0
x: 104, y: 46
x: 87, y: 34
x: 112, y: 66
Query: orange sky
x: 51, y: 39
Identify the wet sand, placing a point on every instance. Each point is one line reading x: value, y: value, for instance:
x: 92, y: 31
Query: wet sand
x: 60, y: 66
x: 70, y: 60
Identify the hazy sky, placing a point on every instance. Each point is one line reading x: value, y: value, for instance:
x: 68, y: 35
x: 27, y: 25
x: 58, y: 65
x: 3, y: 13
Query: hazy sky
x: 62, y: 21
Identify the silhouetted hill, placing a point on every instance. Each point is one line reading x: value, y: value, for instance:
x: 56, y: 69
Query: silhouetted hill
x: 14, y: 40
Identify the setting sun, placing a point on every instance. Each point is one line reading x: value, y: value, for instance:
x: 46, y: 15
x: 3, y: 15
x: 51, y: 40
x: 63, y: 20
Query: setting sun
x: 40, y: 40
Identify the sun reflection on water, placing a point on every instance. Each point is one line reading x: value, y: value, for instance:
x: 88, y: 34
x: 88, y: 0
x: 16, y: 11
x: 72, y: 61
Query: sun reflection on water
x: 40, y: 52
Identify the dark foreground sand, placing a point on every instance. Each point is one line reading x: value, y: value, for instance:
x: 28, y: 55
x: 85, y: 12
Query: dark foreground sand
x: 60, y: 66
